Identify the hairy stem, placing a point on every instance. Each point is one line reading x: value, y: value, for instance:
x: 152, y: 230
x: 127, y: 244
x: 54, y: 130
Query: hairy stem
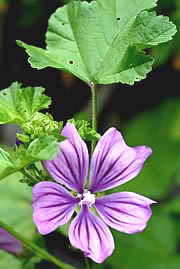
x: 35, y: 168
x: 94, y: 113
x: 34, y: 248
x: 28, y: 175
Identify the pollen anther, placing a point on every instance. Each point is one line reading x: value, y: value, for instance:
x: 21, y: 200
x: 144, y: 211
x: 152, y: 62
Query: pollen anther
x: 87, y: 198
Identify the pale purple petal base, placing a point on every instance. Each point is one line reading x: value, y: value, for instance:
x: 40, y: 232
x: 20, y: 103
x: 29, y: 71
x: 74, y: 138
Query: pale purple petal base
x: 53, y: 206
x: 9, y: 243
x: 114, y: 163
x: 90, y: 234
x: 126, y: 212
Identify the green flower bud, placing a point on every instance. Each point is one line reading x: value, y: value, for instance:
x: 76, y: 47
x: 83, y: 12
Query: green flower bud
x: 51, y: 126
x: 23, y: 138
x: 27, y: 128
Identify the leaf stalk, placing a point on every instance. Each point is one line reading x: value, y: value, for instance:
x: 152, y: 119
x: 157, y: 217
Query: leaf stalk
x: 94, y: 112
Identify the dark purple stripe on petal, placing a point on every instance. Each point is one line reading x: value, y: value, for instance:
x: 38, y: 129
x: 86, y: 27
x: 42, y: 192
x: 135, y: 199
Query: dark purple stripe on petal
x: 53, y: 206
x: 68, y: 164
x: 125, y: 211
x: 90, y: 234
x: 70, y: 167
x: 114, y: 163
x: 78, y: 159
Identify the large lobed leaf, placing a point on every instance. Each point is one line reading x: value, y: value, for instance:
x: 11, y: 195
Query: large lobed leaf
x: 19, y: 104
x: 102, y: 41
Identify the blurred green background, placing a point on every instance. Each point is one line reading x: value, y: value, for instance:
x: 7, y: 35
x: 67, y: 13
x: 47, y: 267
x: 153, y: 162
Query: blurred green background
x: 147, y: 113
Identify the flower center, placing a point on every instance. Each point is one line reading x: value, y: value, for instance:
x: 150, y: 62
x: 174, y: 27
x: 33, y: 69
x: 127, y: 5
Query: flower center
x: 87, y: 198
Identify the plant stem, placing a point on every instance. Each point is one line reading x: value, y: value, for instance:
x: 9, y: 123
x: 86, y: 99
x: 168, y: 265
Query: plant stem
x: 94, y: 113
x: 34, y: 248
x: 24, y: 172
x: 87, y: 263
x: 35, y: 168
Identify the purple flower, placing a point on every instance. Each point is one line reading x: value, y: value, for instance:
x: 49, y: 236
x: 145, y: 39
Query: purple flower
x: 18, y: 142
x: 113, y: 163
x: 9, y: 243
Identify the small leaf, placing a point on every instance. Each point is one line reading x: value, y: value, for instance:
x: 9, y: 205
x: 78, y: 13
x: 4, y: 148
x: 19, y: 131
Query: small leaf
x: 6, y: 164
x: 102, y: 41
x: 19, y: 104
x: 85, y: 131
x: 43, y: 148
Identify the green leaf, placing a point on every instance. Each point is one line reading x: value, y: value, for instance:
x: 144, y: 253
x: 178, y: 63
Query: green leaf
x: 19, y: 104
x: 158, y: 240
x: 6, y: 164
x: 8, y: 261
x: 149, y: 30
x: 102, y: 41
x: 16, y: 211
x: 85, y: 131
x: 154, y: 128
x: 43, y: 148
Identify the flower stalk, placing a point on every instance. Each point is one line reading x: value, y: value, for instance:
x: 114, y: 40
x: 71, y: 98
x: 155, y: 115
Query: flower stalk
x: 29, y: 176
x: 34, y: 248
x: 94, y: 112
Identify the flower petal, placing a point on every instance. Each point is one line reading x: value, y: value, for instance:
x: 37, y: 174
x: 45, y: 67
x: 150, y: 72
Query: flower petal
x: 53, y: 206
x: 126, y: 212
x: 9, y: 243
x: 70, y: 167
x: 91, y: 235
x: 114, y: 163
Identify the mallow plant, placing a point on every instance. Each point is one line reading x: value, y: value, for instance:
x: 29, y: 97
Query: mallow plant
x: 100, y: 42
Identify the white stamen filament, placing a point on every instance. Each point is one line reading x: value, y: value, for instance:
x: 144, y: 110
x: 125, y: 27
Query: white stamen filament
x: 87, y: 198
